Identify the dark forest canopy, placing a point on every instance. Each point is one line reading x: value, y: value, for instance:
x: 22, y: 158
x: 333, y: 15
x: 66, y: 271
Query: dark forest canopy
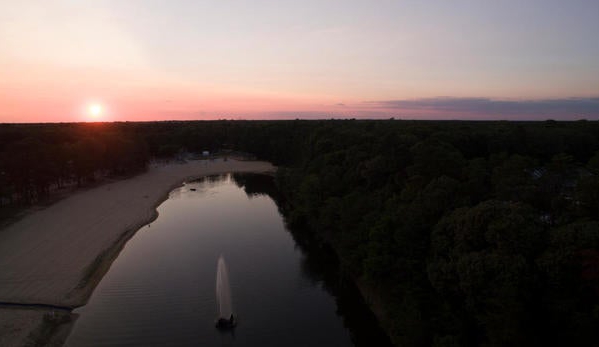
x: 472, y: 233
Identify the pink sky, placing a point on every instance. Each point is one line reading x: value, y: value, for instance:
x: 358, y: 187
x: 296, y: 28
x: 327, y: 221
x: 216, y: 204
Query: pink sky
x: 185, y: 59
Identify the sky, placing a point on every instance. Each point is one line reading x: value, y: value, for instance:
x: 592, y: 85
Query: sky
x: 115, y: 60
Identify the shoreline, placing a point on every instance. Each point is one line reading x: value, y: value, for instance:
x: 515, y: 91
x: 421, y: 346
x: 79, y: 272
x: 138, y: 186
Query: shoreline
x: 84, y: 232
x: 101, y: 264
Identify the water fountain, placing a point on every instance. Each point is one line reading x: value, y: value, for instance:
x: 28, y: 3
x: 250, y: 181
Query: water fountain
x: 225, y: 319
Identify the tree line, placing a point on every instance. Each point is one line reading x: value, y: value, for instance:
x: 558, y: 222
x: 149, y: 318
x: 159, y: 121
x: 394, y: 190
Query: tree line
x: 36, y: 159
x: 469, y: 233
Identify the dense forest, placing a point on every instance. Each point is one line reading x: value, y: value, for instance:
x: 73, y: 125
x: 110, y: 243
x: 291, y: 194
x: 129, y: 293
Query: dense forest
x: 35, y: 159
x: 471, y: 233
x: 468, y: 233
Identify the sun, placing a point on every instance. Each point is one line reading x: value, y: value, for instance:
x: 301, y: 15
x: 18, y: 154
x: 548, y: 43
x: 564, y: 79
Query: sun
x: 95, y: 111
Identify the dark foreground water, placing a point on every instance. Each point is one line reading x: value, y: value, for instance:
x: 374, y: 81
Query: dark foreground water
x: 160, y: 291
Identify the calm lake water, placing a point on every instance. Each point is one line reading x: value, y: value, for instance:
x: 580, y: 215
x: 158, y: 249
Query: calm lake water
x: 160, y: 291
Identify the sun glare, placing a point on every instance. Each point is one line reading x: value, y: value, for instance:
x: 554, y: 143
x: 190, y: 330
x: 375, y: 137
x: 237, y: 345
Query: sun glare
x: 95, y: 111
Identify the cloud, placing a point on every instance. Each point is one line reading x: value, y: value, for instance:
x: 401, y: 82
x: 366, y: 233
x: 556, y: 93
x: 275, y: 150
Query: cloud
x: 485, y: 108
x: 442, y: 108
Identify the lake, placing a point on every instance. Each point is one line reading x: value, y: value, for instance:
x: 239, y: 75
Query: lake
x: 160, y: 291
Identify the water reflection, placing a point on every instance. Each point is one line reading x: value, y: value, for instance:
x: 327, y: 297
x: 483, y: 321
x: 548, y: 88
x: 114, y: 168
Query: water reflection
x: 160, y: 290
x: 320, y: 265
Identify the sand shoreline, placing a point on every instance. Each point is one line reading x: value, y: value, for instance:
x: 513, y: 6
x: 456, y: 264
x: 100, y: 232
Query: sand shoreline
x: 58, y: 255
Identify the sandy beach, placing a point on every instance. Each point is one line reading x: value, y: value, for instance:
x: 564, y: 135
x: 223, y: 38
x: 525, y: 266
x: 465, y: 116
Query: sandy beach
x: 56, y: 256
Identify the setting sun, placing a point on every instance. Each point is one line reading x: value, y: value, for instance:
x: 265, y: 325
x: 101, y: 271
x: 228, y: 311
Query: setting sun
x: 95, y: 111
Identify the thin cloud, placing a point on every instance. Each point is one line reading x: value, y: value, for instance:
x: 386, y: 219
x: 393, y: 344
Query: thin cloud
x: 565, y: 108
x: 441, y: 108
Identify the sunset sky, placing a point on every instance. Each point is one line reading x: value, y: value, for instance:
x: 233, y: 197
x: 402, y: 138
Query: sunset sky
x: 68, y: 60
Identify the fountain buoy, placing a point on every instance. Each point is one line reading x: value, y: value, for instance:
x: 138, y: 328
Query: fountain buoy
x: 225, y: 319
x: 225, y: 324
